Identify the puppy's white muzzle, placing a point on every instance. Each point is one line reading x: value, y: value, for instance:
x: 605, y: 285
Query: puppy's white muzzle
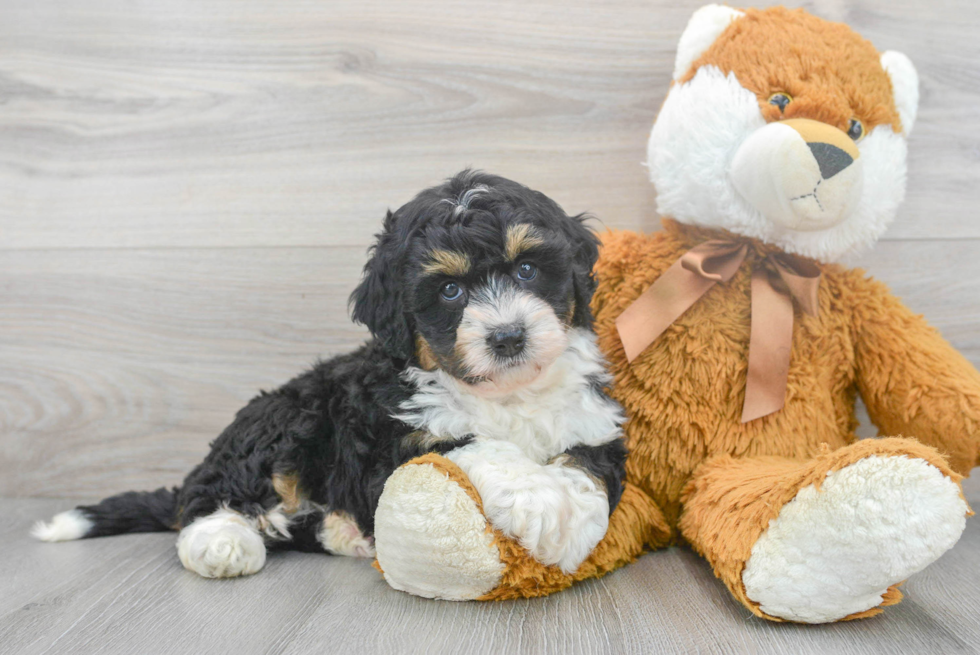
x: 497, y: 306
x: 800, y: 174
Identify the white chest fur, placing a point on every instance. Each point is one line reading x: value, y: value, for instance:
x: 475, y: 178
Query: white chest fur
x: 561, y: 408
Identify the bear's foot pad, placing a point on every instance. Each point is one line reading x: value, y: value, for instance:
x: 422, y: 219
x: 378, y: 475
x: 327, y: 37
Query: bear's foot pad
x: 432, y: 539
x: 834, y: 551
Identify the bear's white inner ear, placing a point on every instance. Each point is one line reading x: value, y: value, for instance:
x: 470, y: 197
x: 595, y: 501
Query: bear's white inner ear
x: 905, y: 86
x: 706, y: 25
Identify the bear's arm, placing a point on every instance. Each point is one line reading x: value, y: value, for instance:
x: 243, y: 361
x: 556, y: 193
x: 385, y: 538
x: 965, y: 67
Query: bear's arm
x: 913, y: 382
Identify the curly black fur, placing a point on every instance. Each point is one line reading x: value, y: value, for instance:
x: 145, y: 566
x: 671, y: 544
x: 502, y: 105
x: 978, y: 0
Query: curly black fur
x: 607, y: 463
x: 332, y: 427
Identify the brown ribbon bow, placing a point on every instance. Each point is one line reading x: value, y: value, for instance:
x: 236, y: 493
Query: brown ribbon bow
x: 774, y: 286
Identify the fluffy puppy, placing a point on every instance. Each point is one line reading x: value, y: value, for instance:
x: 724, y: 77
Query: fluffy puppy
x: 477, y: 298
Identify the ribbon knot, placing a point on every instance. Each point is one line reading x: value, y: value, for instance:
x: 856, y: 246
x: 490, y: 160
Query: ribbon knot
x: 776, y: 282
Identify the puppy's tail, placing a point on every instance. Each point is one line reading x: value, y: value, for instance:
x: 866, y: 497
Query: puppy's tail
x: 133, y: 511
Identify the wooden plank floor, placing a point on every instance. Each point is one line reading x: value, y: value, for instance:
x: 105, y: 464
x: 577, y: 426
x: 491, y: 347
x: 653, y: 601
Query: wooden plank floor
x: 187, y: 191
x: 129, y: 594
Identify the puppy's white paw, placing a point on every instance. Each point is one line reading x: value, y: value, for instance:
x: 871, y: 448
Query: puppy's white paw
x: 221, y: 545
x: 834, y: 552
x: 556, y: 512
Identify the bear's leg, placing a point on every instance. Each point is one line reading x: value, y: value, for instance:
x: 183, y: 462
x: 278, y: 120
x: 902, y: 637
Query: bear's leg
x: 433, y: 540
x: 825, y: 539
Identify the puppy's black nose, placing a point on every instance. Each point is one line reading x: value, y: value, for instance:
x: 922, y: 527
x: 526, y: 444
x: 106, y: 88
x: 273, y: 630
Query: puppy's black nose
x: 507, y: 341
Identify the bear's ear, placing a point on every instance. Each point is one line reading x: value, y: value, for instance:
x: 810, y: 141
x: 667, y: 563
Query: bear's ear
x: 706, y: 25
x: 905, y: 86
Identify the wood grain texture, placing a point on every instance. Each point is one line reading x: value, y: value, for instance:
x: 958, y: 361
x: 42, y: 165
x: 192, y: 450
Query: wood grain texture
x: 186, y: 194
x: 129, y: 594
x: 233, y: 123
x: 117, y: 367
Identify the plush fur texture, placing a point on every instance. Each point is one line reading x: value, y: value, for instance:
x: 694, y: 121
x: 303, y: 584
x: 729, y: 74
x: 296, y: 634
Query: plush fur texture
x: 826, y: 557
x: 683, y: 399
x: 732, y: 503
x: 693, y: 145
x: 423, y: 510
x: 477, y: 297
x: 704, y: 27
x: 450, y: 560
x: 799, y: 519
x: 863, y: 340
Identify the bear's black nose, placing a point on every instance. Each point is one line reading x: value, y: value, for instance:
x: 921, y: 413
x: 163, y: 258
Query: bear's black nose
x: 831, y: 159
x: 507, y: 341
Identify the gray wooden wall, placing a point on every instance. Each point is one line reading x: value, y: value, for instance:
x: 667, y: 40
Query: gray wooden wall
x: 187, y: 189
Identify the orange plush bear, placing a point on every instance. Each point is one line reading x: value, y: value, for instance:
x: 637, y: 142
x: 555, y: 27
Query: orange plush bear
x: 739, y: 346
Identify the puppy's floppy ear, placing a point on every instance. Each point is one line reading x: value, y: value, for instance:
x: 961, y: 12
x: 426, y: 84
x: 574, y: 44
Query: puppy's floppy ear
x: 586, y: 247
x: 378, y: 301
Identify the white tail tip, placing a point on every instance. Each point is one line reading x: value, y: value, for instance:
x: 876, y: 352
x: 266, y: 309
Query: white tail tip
x: 63, y: 527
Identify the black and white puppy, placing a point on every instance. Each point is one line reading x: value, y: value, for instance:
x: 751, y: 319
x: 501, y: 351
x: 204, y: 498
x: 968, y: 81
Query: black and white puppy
x: 477, y: 297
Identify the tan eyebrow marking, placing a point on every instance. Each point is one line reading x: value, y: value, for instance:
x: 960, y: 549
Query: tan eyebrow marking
x: 447, y: 262
x: 520, y: 237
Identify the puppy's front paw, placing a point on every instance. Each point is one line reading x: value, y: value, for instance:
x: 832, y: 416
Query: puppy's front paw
x: 558, y: 513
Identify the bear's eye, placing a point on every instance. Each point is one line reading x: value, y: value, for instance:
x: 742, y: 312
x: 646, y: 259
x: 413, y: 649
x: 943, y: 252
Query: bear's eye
x: 450, y: 291
x: 855, y: 129
x: 780, y: 100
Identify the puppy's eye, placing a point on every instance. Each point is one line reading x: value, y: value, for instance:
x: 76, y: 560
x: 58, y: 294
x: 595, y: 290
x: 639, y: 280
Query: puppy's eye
x: 855, y: 129
x: 527, y: 271
x: 450, y: 291
x: 780, y: 100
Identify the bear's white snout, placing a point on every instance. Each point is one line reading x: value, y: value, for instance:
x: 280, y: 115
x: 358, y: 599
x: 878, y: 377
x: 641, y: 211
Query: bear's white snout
x: 800, y: 174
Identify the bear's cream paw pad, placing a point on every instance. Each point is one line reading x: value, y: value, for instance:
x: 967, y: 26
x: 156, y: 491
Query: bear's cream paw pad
x: 835, y: 551
x: 432, y: 539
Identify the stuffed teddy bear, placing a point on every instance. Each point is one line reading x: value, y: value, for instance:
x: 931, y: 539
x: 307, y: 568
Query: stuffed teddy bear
x: 738, y: 347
